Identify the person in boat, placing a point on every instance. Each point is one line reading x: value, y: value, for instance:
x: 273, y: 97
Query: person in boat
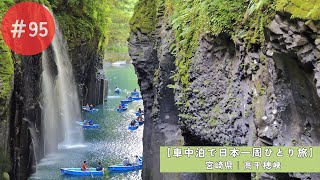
x: 84, y: 166
x: 120, y: 107
x: 90, y: 122
x: 137, y: 161
x: 139, y: 119
x: 133, y: 123
x: 135, y: 90
x: 87, y: 107
x: 99, y: 168
x: 117, y: 90
x: 91, y: 107
x: 126, y: 162
x: 140, y: 111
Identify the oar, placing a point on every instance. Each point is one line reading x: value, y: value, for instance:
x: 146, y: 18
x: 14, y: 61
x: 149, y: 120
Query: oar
x: 90, y: 172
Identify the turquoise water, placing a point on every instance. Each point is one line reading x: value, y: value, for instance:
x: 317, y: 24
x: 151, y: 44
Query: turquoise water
x: 110, y: 144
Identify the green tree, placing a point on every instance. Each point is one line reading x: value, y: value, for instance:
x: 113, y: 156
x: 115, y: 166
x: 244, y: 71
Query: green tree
x: 120, y: 14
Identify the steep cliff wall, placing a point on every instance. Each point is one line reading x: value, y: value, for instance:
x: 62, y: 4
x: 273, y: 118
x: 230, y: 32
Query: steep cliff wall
x: 84, y: 24
x: 6, y: 86
x: 25, y: 116
x: 154, y: 64
x: 244, y: 74
x: 85, y: 27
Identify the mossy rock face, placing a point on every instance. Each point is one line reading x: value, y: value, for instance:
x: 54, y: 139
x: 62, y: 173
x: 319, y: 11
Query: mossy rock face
x: 5, y: 176
x: 6, y: 63
x: 309, y: 10
x: 239, y: 19
x: 145, y: 16
x: 82, y: 21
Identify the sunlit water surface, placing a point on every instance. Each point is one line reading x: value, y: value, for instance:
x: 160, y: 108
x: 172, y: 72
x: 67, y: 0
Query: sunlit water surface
x: 110, y: 144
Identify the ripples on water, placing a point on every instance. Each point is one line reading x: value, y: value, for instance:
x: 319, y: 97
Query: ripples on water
x: 109, y: 144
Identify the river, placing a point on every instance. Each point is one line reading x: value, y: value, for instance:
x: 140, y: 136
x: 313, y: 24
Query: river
x: 110, y: 144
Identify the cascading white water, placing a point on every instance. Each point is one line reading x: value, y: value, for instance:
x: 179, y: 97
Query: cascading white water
x: 68, y: 100
x: 60, y: 102
x: 49, y: 104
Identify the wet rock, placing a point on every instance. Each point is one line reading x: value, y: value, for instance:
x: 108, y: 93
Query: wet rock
x: 275, y: 28
x: 298, y: 41
x: 317, y: 41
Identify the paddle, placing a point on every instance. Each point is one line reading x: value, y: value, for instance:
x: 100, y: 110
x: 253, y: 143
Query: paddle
x: 90, y: 171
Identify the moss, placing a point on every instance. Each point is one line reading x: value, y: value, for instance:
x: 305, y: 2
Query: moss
x: 172, y: 86
x: 196, y: 90
x: 309, y: 10
x: 179, y: 103
x: 75, y: 36
x: 145, y: 16
x: 83, y: 21
x: 213, y: 121
x: 259, y: 103
x: 6, y: 62
x: 156, y: 75
x: 216, y: 109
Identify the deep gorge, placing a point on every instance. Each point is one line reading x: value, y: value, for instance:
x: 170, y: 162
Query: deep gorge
x: 244, y: 79
x: 22, y: 143
x: 211, y: 73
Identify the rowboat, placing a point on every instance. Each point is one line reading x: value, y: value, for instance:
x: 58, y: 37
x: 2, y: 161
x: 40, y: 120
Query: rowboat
x: 132, y: 128
x: 79, y: 172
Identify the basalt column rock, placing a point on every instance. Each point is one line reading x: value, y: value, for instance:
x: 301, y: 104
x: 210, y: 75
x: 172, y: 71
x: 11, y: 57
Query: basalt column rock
x: 154, y: 65
x: 145, y: 62
x: 89, y: 74
x: 25, y: 123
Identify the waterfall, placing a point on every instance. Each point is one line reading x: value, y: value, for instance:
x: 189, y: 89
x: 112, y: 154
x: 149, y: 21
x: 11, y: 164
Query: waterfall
x: 68, y: 100
x: 60, y: 101
x: 49, y: 107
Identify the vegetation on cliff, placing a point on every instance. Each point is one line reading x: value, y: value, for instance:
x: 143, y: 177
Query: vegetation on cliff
x: 83, y: 21
x: 120, y: 14
x: 145, y: 16
x: 6, y: 63
x: 239, y: 19
x: 309, y: 10
x: 6, y: 80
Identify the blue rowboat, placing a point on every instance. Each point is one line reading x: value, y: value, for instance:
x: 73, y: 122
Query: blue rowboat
x: 138, y: 114
x: 141, y: 122
x: 93, y: 126
x: 136, y: 98
x: 93, y: 110
x: 132, y: 128
x: 78, y: 172
x: 122, y: 109
x: 117, y: 90
x: 121, y: 167
x: 135, y: 93
x: 126, y: 101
